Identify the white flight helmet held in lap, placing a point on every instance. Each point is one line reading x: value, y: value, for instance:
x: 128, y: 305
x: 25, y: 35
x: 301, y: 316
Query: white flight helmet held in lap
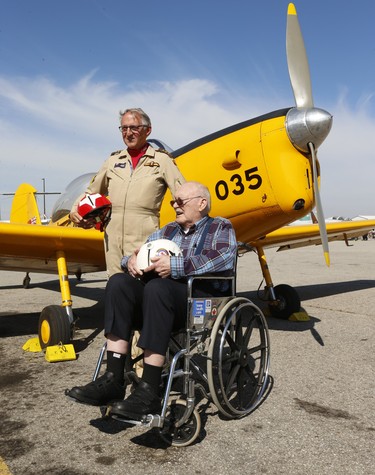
x: 159, y: 247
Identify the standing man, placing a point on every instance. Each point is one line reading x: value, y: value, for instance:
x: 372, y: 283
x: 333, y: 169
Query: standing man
x: 135, y: 180
x: 159, y: 306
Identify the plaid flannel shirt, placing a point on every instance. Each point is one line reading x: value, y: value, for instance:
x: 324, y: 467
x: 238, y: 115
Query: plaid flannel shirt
x: 218, y: 254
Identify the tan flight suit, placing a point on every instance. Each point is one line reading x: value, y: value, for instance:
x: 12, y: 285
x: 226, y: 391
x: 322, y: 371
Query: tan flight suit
x: 136, y: 197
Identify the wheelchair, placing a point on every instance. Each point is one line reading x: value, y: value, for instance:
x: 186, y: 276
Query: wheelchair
x: 222, y: 355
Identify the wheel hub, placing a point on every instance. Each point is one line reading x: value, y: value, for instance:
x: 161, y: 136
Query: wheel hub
x: 244, y: 357
x: 45, y: 331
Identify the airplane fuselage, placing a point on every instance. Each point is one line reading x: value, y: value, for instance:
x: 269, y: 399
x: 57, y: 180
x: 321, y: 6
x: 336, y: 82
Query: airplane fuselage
x: 256, y: 177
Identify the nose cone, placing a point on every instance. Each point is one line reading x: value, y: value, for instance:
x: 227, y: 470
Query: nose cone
x: 304, y: 125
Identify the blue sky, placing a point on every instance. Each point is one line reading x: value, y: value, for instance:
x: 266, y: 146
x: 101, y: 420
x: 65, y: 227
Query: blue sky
x: 67, y: 68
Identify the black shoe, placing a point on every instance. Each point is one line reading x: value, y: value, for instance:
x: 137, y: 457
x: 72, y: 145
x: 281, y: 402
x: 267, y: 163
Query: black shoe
x: 142, y: 401
x: 98, y: 392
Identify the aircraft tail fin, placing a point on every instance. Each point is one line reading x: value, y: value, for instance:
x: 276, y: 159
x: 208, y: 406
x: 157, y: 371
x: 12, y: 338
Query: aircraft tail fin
x: 24, y: 206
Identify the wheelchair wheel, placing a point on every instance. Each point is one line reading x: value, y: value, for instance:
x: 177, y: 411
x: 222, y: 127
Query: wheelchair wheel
x: 238, y: 358
x: 185, y: 434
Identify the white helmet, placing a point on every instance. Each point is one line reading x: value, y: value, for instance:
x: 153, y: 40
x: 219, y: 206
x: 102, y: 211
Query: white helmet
x: 159, y: 247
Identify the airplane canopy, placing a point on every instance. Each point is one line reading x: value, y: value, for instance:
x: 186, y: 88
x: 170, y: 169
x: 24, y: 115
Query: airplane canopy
x: 65, y: 201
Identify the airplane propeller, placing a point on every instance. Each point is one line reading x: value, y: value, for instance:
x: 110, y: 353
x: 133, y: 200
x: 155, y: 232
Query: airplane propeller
x: 298, y: 66
x: 307, y: 126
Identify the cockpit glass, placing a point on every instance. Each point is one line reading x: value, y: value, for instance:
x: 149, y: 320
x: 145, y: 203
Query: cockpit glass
x: 65, y: 201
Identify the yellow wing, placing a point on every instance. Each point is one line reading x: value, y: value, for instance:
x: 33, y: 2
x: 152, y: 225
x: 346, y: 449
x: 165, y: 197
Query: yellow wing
x: 26, y: 247
x: 33, y: 248
x: 291, y: 237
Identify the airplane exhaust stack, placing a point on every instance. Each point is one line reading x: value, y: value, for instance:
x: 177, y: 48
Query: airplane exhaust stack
x: 308, y: 125
x: 299, y: 204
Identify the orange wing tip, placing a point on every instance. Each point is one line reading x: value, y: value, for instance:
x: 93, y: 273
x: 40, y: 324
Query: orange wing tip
x: 326, y: 257
x: 292, y: 9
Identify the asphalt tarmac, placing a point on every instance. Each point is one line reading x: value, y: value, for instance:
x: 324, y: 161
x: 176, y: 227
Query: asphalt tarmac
x: 318, y: 418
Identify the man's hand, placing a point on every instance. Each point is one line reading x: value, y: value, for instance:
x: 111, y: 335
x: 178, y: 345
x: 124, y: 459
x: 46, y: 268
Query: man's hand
x: 77, y: 219
x: 132, y: 265
x: 161, y: 265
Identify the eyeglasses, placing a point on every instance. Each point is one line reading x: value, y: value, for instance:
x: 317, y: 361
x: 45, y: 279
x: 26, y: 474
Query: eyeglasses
x: 133, y: 128
x: 182, y: 202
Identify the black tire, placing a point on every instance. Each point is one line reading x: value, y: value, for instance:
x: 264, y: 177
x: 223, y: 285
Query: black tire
x: 183, y: 435
x: 288, y: 302
x: 54, y: 326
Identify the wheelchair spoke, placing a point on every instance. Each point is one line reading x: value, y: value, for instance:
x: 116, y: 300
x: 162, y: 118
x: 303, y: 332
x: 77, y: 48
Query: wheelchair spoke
x: 257, y: 348
x: 232, y: 379
x: 248, y: 333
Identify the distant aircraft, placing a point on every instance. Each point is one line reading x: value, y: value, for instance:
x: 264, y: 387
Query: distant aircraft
x: 311, y: 219
x: 262, y: 174
x: 361, y: 218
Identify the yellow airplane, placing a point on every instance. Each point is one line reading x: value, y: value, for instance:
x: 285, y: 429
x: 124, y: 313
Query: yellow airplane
x: 262, y: 173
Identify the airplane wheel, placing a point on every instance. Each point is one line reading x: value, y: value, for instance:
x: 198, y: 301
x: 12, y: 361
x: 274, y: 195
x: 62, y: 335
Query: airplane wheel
x: 288, y: 302
x: 54, y: 326
x: 183, y: 435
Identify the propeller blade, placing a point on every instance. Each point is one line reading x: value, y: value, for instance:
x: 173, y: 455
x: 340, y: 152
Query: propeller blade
x: 319, y: 208
x: 299, y: 72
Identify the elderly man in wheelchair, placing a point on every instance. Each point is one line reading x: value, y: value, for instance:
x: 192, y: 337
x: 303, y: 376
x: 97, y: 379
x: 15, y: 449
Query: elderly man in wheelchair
x: 183, y: 301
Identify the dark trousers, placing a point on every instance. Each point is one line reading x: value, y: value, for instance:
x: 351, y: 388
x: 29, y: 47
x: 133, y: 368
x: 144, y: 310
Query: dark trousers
x: 156, y: 308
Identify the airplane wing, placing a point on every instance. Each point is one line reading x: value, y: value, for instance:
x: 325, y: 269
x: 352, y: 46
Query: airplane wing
x: 26, y: 247
x: 291, y: 237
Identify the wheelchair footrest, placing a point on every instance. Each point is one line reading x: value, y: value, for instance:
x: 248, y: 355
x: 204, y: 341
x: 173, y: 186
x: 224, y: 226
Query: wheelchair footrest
x: 151, y: 420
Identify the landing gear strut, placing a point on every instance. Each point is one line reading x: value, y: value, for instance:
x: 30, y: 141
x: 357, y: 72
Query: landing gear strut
x: 283, y: 300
